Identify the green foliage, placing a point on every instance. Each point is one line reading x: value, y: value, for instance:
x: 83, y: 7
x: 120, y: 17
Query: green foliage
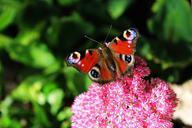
x: 37, y: 88
x: 173, y: 23
x: 9, y: 10
x: 173, y: 20
x: 67, y: 2
x: 116, y: 8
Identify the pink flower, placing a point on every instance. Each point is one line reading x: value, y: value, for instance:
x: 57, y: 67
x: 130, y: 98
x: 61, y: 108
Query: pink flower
x: 129, y: 102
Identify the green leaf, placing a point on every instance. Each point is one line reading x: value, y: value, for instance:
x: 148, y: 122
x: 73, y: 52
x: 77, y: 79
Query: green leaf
x: 55, y: 99
x: 1, y: 70
x: 144, y: 49
x: 67, y: 2
x: 5, y: 105
x: 4, y: 41
x: 39, y: 89
x: 31, y: 86
x: 7, y: 16
x: 8, y: 122
x: 69, y: 74
x: 27, y: 50
x: 41, y: 118
x: 1, y: 79
x: 26, y: 36
x: 66, y: 124
x: 76, y: 82
x: 64, y: 114
x: 34, y: 54
x: 68, y: 31
x: 117, y: 7
x: 172, y: 20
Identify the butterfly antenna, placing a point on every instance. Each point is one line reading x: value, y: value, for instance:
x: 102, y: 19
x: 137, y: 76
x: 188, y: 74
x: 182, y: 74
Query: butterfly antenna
x: 91, y: 39
x: 108, y: 33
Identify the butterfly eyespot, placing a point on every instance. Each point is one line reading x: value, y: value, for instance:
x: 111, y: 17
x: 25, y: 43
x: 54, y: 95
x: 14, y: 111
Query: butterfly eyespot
x: 126, y: 34
x: 74, y: 58
x: 130, y: 34
x: 94, y: 73
x: 126, y: 58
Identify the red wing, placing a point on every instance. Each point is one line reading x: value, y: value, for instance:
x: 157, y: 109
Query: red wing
x: 123, y: 49
x: 84, y: 61
x: 93, y: 63
x: 106, y: 74
x: 125, y: 43
x: 124, y: 67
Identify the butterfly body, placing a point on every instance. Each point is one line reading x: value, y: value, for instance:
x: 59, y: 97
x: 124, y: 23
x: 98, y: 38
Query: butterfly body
x: 110, y: 61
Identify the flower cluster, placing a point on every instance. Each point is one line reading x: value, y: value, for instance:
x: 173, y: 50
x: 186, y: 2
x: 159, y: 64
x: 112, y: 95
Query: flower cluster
x: 129, y: 102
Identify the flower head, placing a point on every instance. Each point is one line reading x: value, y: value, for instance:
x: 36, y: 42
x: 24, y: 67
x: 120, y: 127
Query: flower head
x: 129, y: 102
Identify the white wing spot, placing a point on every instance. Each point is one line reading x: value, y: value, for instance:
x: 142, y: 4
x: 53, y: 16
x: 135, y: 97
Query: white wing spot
x: 129, y: 41
x: 79, y: 63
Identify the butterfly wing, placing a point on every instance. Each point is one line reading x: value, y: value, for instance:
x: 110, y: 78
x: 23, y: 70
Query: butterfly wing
x: 83, y: 61
x: 92, y: 63
x: 123, y: 49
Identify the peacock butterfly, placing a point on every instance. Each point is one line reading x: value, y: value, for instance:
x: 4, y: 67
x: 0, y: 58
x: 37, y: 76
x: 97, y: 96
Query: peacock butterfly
x: 110, y: 61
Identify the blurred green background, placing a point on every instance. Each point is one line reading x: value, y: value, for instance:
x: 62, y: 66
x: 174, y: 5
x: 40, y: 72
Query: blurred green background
x: 36, y: 87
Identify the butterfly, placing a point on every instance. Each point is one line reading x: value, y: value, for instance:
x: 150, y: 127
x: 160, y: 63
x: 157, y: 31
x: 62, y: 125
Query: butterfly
x: 110, y: 61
